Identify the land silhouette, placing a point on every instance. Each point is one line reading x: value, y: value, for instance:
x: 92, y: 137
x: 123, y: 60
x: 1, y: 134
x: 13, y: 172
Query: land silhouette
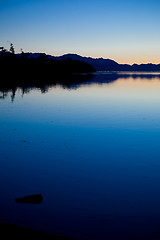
x: 30, y: 70
x: 101, y: 64
x: 13, y: 231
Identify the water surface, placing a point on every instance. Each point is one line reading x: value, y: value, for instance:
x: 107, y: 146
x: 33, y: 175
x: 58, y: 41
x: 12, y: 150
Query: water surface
x: 92, y: 150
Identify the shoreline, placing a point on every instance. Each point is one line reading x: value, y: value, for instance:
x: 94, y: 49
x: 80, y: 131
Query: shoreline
x: 18, y: 232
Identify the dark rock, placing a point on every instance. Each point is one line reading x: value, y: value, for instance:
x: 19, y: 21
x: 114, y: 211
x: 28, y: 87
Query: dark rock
x: 33, y: 199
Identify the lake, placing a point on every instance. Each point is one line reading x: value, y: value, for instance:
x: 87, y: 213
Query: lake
x: 92, y: 149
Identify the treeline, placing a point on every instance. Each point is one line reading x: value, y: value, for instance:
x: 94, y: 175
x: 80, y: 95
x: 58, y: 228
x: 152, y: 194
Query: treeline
x: 25, y: 72
x: 22, y: 70
x: 42, y: 66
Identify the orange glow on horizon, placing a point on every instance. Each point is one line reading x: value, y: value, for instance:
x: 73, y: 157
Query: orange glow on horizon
x: 119, y: 59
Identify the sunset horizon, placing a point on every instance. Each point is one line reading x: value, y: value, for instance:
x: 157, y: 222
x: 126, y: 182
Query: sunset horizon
x: 123, y: 31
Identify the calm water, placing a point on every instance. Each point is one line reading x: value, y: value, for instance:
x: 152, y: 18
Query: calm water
x: 92, y: 150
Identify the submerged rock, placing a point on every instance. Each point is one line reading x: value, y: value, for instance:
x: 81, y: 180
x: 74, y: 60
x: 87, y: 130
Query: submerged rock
x: 33, y: 199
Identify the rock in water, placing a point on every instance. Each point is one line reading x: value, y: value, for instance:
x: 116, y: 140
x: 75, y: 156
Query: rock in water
x: 33, y: 199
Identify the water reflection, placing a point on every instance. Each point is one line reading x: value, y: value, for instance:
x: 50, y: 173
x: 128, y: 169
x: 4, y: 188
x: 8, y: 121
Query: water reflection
x: 92, y: 153
x: 73, y: 82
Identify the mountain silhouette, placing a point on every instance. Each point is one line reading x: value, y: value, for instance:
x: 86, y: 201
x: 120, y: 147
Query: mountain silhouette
x: 101, y: 64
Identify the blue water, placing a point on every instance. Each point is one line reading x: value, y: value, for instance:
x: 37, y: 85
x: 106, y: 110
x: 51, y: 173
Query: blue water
x: 92, y: 151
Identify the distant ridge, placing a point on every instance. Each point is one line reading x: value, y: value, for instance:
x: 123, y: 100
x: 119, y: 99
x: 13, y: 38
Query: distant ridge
x: 101, y: 64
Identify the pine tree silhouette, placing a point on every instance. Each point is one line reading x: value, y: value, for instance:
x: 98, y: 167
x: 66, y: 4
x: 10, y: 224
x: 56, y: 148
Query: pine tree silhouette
x: 12, y: 48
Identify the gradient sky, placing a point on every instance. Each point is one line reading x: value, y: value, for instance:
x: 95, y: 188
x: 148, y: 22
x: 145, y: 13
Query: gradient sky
x: 127, y: 31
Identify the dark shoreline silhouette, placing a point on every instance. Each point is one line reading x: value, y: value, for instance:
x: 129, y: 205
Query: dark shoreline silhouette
x: 24, y: 66
x: 18, y: 232
x: 101, y: 64
x: 27, y: 71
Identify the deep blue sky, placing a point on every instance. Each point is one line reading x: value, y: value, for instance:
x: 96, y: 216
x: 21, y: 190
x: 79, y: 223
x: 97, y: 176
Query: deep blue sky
x: 124, y: 30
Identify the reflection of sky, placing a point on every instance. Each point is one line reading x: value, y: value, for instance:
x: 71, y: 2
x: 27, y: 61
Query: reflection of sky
x: 92, y: 152
x: 130, y: 103
x: 125, y: 31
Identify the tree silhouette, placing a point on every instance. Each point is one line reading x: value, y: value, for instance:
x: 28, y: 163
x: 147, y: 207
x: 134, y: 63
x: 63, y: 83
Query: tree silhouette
x: 12, y: 48
x: 3, y: 49
x: 22, y: 50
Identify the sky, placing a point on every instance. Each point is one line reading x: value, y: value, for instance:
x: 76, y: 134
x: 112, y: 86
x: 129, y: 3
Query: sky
x: 127, y: 31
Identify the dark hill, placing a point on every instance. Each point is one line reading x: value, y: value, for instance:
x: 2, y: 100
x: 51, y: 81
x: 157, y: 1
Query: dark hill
x: 101, y: 64
x: 27, y: 69
x: 40, y: 64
